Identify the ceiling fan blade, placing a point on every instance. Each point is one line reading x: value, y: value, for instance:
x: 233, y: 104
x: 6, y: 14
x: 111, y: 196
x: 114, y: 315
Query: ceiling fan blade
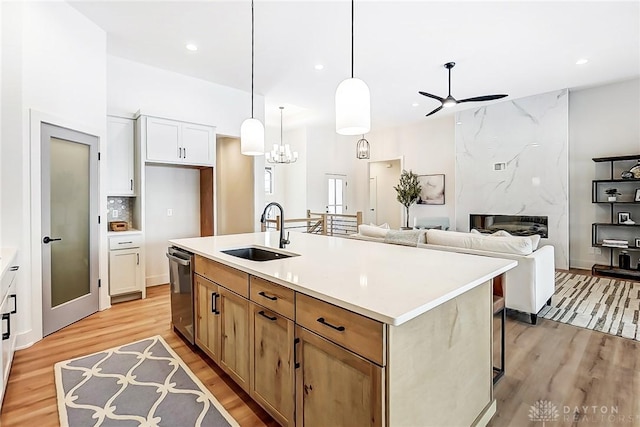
x: 483, y: 98
x: 431, y: 96
x: 434, y: 111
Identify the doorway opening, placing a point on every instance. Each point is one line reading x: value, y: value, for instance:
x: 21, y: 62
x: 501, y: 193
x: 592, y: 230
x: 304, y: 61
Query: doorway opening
x: 383, y: 206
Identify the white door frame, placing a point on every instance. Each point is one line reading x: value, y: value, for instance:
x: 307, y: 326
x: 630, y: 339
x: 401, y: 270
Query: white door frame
x: 34, y: 274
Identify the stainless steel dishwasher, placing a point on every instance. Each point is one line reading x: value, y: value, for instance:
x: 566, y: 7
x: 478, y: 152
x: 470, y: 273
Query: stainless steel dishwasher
x: 181, y: 279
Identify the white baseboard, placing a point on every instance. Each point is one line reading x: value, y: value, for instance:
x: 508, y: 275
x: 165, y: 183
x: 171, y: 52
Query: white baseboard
x: 25, y: 340
x: 160, y: 279
x: 584, y: 264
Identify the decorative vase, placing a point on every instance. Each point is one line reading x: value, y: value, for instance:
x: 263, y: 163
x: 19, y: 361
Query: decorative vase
x: 612, y: 198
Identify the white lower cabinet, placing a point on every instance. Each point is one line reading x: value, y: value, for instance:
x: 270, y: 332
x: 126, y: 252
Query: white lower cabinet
x: 125, y: 266
x: 9, y: 312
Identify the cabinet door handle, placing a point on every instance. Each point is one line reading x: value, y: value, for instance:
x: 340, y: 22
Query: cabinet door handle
x: 214, y: 303
x: 14, y: 268
x: 15, y: 303
x: 125, y: 243
x: 137, y: 259
x: 337, y: 328
x: 262, y: 294
x: 179, y: 152
x: 6, y: 335
x: 296, y: 364
x: 184, y: 150
x: 273, y: 319
x: 131, y: 185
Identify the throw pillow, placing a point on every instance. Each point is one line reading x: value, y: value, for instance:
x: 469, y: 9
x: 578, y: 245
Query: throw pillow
x: 371, y: 231
x: 535, y: 241
x: 474, y: 231
x: 384, y: 226
x: 405, y: 237
x: 501, y: 233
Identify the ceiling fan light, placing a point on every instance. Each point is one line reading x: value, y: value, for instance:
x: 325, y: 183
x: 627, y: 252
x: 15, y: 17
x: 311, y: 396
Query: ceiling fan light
x: 252, y: 137
x: 353, y: 107
x: 449, y: 102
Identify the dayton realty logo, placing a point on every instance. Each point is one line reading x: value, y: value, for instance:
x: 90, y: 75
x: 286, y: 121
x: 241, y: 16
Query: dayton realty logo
x: 544, y: 411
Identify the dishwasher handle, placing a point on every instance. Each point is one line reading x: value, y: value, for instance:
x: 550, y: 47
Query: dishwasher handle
x: 180, y: 261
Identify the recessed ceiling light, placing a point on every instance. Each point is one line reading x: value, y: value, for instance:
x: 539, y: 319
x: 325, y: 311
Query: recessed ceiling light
x: 415, y: 104
x: 582, y: 61
x: 192, y: 47
x: 458, y: 123
x: 319, y: 67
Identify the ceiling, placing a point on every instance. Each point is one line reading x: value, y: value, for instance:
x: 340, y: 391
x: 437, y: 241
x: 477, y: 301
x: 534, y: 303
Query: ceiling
x: 514, y: 47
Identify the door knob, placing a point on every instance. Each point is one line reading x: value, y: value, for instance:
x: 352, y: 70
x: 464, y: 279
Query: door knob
x: 48, y: 239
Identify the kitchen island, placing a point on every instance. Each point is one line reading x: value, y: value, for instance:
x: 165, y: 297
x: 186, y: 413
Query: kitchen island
x: 348, y: 332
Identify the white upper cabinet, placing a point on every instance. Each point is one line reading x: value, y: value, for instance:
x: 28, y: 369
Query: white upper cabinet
x: 197, y: 143
x: 171, y: 141
x: 120, y: 156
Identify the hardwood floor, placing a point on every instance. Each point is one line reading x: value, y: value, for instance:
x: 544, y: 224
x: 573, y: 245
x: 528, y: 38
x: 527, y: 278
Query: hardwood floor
x: 30, y: 399
x: 568, y: 366
x: 575, y: 369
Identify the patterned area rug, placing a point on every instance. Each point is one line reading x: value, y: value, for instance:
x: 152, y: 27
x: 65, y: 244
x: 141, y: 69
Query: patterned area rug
x: 607, y: 305
x: 144, y: 383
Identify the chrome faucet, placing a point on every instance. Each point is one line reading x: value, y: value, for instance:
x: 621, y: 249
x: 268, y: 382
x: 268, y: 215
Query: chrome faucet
x: 283, y: 241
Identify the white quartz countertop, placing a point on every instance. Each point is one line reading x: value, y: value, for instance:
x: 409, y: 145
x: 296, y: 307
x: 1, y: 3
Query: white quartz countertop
x: 389, y: 283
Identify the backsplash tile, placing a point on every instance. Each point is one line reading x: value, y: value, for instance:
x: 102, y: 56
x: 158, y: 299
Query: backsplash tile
x: 124, y: 206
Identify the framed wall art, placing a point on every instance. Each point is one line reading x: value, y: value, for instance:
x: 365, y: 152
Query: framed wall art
x: 432, y: 192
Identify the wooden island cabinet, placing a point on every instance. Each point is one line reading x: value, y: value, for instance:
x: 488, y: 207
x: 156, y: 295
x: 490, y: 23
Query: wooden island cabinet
x: 311, y: 363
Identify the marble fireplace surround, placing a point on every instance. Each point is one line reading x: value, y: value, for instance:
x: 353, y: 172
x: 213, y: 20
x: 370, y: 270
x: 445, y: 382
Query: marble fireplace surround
x: 512, y: 159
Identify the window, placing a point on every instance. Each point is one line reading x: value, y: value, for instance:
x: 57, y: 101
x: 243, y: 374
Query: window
x: 268, y: 180
x: 336, y: 194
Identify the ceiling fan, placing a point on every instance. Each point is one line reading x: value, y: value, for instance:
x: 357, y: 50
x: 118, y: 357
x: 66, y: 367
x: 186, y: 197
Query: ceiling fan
x: 450, y: 101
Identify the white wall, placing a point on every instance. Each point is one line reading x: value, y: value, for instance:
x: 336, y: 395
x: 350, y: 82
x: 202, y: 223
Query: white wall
x: 329, y: 153
x: 54, y: 62
x: 598, y: 127
x: 530, y: 135
x: 133, y: 86
x: 172, y: 188
x: 426, y: 147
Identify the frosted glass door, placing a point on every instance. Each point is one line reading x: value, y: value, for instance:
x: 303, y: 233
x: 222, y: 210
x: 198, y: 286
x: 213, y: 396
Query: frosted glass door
x: 69, y: 226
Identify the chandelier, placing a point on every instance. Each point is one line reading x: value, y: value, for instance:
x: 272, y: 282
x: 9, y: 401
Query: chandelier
x: 281, y: 153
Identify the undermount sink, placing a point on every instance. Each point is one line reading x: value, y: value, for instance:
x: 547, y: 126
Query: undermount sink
x: 257, y: 254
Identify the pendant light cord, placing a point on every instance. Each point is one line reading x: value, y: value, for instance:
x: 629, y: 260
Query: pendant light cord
x: 252, y: 31
x: 352, y: 13
x: 281, y: 108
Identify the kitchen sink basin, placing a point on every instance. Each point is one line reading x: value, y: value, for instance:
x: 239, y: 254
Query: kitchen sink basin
x: 257, y: 254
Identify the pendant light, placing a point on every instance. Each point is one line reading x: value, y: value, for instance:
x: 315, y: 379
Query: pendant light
x: 252, y: 130
x: 362, y: 149
x: 353, y: 101
x: 281, y: 153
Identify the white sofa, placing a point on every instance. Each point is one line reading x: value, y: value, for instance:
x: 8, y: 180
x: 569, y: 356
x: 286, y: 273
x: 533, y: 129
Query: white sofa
x: 528, y: 287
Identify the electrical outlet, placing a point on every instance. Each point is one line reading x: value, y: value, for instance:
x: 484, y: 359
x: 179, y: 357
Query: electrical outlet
x: 169, y: 212
x: 115, y: 213
x: 598, y: 251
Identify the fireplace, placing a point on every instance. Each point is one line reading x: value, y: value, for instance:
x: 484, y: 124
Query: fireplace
x: 517, y: 225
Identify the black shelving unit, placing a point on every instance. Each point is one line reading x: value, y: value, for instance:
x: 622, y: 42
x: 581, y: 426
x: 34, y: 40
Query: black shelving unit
x: 613, y: 229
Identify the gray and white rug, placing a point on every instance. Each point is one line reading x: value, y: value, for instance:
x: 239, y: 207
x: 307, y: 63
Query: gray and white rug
x: 144, y: 383
x: 607, y: 305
